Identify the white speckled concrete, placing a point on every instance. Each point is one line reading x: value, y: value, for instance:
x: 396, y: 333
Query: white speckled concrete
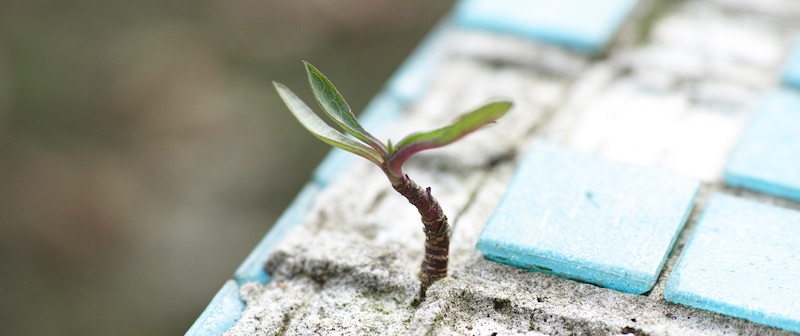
x: 355, y: 255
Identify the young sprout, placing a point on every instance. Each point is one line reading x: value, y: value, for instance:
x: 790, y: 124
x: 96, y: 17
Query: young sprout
x: 390, y: 158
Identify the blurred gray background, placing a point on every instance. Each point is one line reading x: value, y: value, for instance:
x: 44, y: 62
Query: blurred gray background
x: 144, y: 152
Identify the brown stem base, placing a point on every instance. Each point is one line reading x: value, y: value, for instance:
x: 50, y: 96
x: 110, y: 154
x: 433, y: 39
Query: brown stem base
x: 436, y: 228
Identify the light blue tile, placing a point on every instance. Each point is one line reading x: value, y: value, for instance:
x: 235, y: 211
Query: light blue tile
x: 379, y: 114
x: 767, y: 157
x: 336, y: 162
x: 589, y: 218
x: 252, y: 269
x: 412, y: 80
x: 221, y: 314
x: 743, y: 260
x: 791, y: 72
x: 586, y: 26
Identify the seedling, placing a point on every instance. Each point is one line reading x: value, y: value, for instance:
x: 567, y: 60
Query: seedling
x: 390, y: 158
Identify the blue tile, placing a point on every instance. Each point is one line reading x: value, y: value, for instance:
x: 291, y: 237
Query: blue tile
x: 334, y: 164
x: 586, y: 26
x: 379, y: 113
x: 412, y: 80
x: 252, y: 269
x: 221, y: 314
x: 589, y: 218
x: 743, y: 260
x: 767, y: 157
x: 791, y: 72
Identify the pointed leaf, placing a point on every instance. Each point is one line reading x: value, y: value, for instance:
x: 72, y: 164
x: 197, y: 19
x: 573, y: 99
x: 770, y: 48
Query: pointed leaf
x: 336, y: 108
x: 466, y: 124
x: 323, y: 131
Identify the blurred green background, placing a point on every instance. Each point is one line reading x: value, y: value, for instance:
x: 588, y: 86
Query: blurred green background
x: 143, y: 151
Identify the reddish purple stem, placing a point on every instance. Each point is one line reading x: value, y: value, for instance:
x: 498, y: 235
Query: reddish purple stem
x: 435, y: 226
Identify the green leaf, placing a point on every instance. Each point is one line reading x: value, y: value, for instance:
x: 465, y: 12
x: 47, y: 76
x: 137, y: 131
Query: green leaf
x: 323, y: 131
x: 336, y: 108
x: 466, y: 124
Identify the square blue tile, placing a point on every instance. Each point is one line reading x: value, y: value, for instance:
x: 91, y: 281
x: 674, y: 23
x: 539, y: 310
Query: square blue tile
x: 589, y: 218
x: 586, y: 26
x: 791, y: 72
x: 252, y: 269
x: 221, y: 314
x: 743, y: 260
x: 379, y: 113
x: 767, y: 157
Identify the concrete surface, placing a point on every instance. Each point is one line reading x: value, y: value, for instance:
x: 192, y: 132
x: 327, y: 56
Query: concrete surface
x: 677, y: 97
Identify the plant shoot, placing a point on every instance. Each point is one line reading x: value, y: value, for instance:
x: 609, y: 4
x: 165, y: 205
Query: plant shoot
x: 390, y: 158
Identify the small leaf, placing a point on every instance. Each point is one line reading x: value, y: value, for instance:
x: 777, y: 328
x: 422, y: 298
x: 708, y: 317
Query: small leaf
x: 323, y: 131
x: 336, y: 108
x: 466, y: 124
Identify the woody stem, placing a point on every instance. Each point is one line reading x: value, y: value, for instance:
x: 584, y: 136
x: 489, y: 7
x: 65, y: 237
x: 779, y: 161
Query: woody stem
x: 435, y: 226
